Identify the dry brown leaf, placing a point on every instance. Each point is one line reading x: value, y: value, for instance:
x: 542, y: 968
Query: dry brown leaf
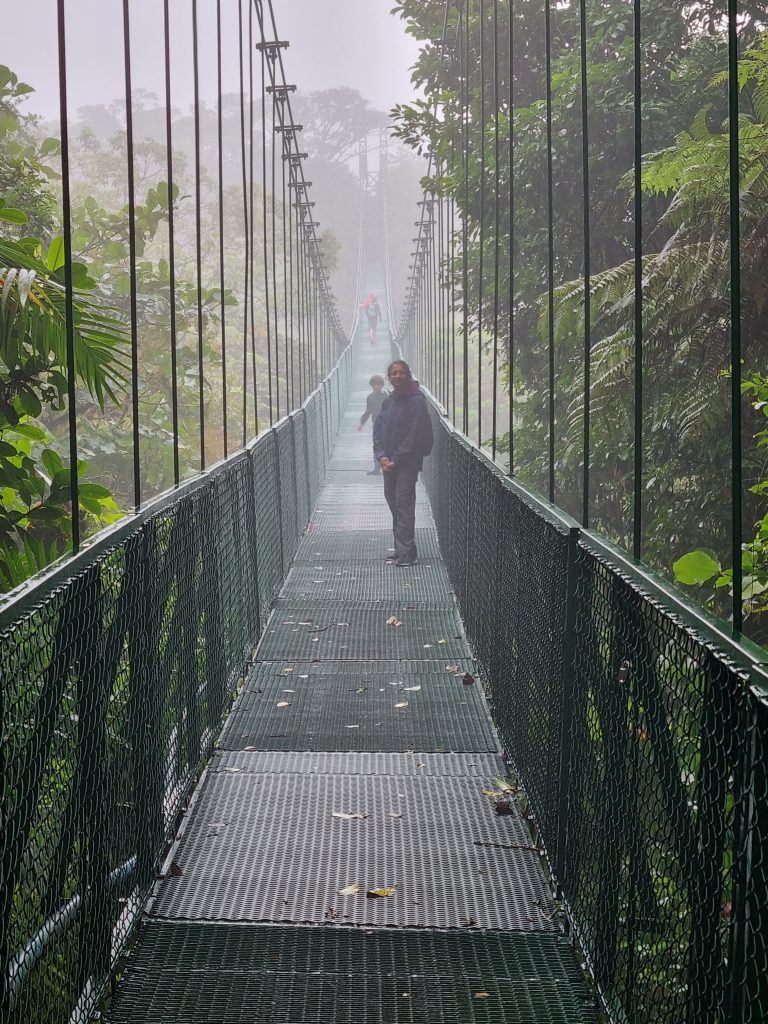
x: 350, y: 890
x: 505, y: 786
x: 451, y: 668
x: 393, y: 621
x: 442, y: 641
x: 402, y: 704
x: 482, y: 995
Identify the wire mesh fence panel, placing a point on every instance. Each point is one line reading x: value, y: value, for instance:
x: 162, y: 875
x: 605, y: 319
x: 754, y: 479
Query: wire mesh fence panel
x: 303, y: 507
x: 115, y: 684
x: 287, y: 491
x: 640, y: 746
x: 663, y: 840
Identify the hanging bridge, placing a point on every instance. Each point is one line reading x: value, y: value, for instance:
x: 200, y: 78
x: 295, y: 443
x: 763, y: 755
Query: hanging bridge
x: 250, y: 771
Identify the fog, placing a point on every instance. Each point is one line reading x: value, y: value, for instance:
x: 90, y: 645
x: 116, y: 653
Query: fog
x: 356, y: 43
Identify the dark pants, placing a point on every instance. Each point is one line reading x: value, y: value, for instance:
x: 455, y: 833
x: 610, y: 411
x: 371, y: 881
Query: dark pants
x: 400, y: 492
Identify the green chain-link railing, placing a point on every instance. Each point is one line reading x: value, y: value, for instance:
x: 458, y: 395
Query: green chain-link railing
x: 640, y: 735
x: 116, y: 673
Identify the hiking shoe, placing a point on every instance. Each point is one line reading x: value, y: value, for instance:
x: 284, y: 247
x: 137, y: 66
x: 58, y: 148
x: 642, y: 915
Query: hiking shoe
x: 406, y: 561
x: 373, y: 472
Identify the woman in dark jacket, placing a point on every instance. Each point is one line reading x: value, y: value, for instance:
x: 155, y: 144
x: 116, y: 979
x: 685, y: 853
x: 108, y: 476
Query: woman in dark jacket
x: 402, y: 436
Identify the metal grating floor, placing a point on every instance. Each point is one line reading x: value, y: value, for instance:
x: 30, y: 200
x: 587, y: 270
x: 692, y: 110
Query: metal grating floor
x: 351, y: 632
x: 366, y: 581
x: 198, y: 974
x: 318, y: 546
x: 346, y: 714
x: 267, y: 847
x: 374, y: 706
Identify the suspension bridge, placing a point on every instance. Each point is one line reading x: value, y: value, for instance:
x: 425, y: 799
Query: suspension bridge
x: 251, y: 770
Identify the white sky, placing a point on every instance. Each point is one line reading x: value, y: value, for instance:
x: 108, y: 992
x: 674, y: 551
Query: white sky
x: 333, y: 42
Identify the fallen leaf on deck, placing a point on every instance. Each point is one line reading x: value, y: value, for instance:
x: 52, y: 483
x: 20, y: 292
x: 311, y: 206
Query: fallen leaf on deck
x: 504, y: 785
x: 350, y: 890
x: 402, y: 704
x: 348, y: 815
x: 412, y: 689
x: 361, y: 689
x: 395, y: 814
x: 232, y: 771
x: 493, y: 792
x: 303, y: 677
x: 468, y: 679
x: 442, y: 641
x: 283, y: 703
x: 482, y: 995
x: 176, y: 871
x: 504, y: 806
x: 469, y: 922
x: 451, y: 668
x: 428, y: 646
x: 351, y: 726
x: 386, y: 890
x: 393, y: 621
x: 286, y: 671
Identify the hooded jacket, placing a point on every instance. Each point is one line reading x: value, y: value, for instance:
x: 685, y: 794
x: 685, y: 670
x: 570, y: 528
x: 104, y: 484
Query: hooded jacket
x: 403, y: 430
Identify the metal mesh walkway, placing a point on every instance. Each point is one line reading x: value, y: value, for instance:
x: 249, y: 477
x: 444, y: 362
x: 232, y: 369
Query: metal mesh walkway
x: 358, y: 757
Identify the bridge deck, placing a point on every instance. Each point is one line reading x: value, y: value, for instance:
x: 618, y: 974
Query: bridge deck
x: 346, y: 714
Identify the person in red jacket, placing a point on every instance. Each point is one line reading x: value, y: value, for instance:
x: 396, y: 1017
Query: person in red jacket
x: 402, y: 437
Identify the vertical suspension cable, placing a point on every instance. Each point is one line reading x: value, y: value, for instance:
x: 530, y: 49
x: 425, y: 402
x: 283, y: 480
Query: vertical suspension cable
x: 290, y: 286
x: 511, y: 246
x: 198, y: 234
x: 132, y: 252
x: 496, y: 190
x: 263, y: 49
x: 637, y: 529
x: 252, y: 225
x: 246, y: 224
x: 452, y: 232
x: 587, y: 255
x: 464, y: 216
x: 285, y: 283
x: 480, y: 283
x: 735, y: 274
x: 550, y: 248
x: 274, y: 248
x: 171, y: 243
x: 220, y: 127
x: 66, y: 227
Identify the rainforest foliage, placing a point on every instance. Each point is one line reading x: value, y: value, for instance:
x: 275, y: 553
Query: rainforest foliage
x: 686, y: 514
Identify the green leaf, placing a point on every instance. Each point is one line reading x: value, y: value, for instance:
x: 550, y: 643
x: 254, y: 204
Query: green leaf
x: 12, y: 216
x: 51, y: 462
x: 47, y: 513
x: 695, y: 567
x: 30, y: 403
x: 55, y: 256
x: 94, y: 491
